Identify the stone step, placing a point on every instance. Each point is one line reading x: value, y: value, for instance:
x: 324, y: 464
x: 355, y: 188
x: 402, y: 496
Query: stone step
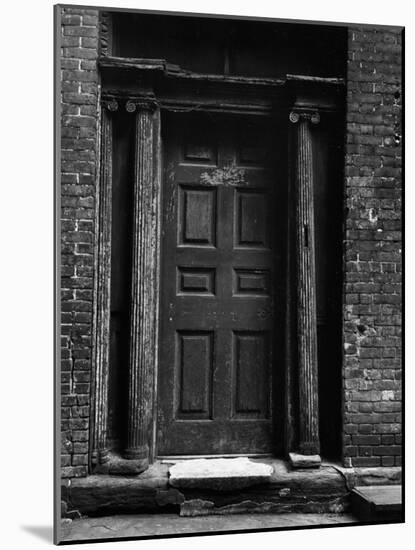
x: 215, y: 488
x: 377, y: 502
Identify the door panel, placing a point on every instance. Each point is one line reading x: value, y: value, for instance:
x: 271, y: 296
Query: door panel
x: 220, y: 273
x: 194, y: 363
x: 197, y: 216
x: 250, y: 375
x: 251, y: 218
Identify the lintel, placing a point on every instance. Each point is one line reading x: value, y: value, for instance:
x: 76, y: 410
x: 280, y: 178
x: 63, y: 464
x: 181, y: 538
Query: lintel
x: 170, y: 70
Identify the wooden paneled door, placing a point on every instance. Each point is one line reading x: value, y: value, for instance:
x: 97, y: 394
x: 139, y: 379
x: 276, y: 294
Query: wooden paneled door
x: 220, y: 286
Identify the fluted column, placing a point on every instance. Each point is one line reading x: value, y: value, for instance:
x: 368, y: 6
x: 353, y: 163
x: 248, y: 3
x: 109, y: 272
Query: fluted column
x: 102, y: 295
x: 143, y: 317
x: 308, y: 437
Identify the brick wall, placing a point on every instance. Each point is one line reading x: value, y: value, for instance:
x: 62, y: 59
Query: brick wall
x: 372, y: 291
x: 79, y: 81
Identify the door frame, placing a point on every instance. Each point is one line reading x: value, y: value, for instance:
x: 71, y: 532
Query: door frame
x: 143, y: 92
x: 250, y: 100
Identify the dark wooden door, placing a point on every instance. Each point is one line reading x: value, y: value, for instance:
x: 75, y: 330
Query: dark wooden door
x: 219, y: 287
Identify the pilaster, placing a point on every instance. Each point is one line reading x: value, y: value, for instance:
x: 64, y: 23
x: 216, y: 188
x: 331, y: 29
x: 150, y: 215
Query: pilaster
x: 308, y: 428
x: 143, y: 312
x: 102, y: 286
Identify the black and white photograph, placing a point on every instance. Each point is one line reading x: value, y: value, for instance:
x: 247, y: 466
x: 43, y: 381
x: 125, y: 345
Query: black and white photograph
x: 229, y: 252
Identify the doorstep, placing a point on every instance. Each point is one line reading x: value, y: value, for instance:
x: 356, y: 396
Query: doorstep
x: 268, y: 486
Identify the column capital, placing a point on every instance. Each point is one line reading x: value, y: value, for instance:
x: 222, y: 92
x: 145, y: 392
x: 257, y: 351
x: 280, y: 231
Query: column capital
x: 305, y: 114
x: 141, y: 104
x: 110, y: 104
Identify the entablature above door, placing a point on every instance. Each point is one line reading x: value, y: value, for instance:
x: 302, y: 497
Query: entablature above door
x: 181, y: 90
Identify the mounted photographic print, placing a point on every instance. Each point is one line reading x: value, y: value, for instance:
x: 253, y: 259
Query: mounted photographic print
x: 229, y: 199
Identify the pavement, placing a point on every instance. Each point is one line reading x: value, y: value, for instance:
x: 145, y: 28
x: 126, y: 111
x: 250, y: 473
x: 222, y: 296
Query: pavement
x: 148, y: 525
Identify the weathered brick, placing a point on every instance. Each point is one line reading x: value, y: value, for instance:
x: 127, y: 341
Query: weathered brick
x: 79, y: 151
x: 80, y: 435
x: 366, y: 439
x: 79, y: 99
x: 388, y: 450
x: 80, y: 76
x: 80, y: 448
x: 373, y: 171
x: 65, y: 460
x: 89, y: 42
x: 90, y: 20
x: 74, y: 471
x: 366, y: 462
x: 78, y: 30
x: 70, y: 41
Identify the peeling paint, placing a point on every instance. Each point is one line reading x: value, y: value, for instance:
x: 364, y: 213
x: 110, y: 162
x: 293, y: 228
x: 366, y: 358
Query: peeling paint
x: 228, y: 176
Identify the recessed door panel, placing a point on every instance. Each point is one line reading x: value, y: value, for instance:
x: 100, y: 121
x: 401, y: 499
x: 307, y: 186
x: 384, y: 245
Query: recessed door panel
x: 194, y: 362
x: 197, y: 221
x: 251, y: 218
x: 251, y: 377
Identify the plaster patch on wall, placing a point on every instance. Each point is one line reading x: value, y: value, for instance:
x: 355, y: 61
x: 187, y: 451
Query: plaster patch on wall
x: 373, y: 216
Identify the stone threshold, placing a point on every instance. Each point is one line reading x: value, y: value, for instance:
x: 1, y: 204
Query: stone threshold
x: 219, y: 474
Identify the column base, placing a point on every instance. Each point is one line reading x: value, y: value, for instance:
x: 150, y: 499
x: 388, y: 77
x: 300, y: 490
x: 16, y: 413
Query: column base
x: 139, y: 455
x: 117, y: 465
x: 100, y: 456
x: 304, y: 461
